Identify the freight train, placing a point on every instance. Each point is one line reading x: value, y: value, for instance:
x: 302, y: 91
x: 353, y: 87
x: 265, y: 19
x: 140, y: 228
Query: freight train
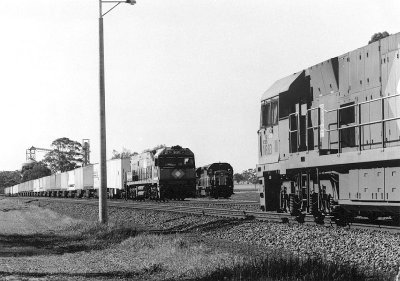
x: 166, y: 173
x: 215, y: 180
x: 329, y: 137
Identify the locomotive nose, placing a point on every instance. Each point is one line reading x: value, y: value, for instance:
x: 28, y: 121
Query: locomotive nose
x: 177, y: 173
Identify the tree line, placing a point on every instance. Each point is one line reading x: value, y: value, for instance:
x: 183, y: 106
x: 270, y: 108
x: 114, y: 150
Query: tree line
x: 65, y: 155
x: 247, y: 176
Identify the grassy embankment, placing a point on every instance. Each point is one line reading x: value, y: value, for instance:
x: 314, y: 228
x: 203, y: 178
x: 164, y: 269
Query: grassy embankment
x: 83, y: 250
x: 174, y: 257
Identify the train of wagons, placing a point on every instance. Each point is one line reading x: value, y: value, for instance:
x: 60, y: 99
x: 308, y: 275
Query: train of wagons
x: 329, y: 136
x: 165, y: 173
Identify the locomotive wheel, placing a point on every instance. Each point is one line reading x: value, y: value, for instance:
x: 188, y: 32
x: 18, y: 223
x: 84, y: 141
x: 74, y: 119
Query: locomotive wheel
x: 396, y: 220
x: 215, y: 194
x: 341, y: 216
x: 319, y: 218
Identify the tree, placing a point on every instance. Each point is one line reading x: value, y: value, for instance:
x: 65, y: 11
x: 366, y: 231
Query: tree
x: 250, y: 175
x: 125, y: 153
x: 65, y: 156
x: 38, y: 170
x: 237, y: 177
x: 377, y: 36
x: 155, y: 148
x: 9, y: 178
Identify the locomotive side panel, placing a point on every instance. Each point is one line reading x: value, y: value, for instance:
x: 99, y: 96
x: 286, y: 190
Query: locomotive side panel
x: 392, y: 184
x: 143, y: 167
x: 372, y: 66
x: 391, y: 87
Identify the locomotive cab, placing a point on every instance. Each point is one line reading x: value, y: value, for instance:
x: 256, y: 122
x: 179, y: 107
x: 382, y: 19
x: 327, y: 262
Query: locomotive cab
x: 282, y: 131
x: 215, y: 180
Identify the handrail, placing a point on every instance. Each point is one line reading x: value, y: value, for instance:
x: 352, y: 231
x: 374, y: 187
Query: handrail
x: 363, y: 102
x: 364, y: 124
x: 292, y: 131
x: 339, y: 128
x: 360, y: 124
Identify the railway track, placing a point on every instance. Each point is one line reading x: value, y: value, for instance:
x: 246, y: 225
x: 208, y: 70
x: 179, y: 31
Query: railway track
x: 218, y: 212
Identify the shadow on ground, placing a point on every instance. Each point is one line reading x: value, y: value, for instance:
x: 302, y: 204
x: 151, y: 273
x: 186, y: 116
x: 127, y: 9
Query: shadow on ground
x: 15, y: 245
x: 111, y: 275
x: 38, y: 244
x: 205, y: 227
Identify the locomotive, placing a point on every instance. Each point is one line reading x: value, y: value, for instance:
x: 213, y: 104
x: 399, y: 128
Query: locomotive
x: 166, y: 173
x: 329, y: 136
x: 215, y: 180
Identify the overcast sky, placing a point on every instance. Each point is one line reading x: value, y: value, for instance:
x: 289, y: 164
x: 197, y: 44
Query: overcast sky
x: 184, y: 72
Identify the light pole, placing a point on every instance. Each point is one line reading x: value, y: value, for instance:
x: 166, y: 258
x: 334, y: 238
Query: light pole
x: 103, y: 218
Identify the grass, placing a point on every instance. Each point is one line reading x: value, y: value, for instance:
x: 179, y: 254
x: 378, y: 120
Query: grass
x: 79, y: 250
x: 173, y: 257
x: 280, y: 268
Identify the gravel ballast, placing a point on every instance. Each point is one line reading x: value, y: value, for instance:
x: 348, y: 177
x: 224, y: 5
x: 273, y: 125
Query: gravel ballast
x: 370, y: 250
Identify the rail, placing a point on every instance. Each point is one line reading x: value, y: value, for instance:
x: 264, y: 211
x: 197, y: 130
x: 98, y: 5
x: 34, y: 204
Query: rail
x: 218, y: 212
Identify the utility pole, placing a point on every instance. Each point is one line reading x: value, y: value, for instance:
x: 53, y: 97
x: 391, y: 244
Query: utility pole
x: 103, y: 217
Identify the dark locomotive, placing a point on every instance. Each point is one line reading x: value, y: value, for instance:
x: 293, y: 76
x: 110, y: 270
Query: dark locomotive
x: 166, y: 173
x: 329, y: 137
x: 215, y: 180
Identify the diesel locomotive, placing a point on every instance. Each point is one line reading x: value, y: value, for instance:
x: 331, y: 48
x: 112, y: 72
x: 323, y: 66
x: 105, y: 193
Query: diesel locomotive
x: 166, y: 173
x: 329, y: 136
x: 215, y: 180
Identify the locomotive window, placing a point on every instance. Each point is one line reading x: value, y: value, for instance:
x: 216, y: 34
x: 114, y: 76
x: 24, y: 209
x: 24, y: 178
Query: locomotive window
x: 274, y: 112
x: 347, y: 115
x: 176, y: 162
x: 188, y: 162
x: 266, y: 114
x: 269, y: 113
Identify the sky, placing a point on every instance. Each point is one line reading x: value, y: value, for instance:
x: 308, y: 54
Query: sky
x: 176, y: 72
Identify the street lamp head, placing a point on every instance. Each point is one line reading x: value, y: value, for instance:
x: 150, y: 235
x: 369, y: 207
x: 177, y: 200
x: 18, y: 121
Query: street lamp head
x: 132, y: 2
